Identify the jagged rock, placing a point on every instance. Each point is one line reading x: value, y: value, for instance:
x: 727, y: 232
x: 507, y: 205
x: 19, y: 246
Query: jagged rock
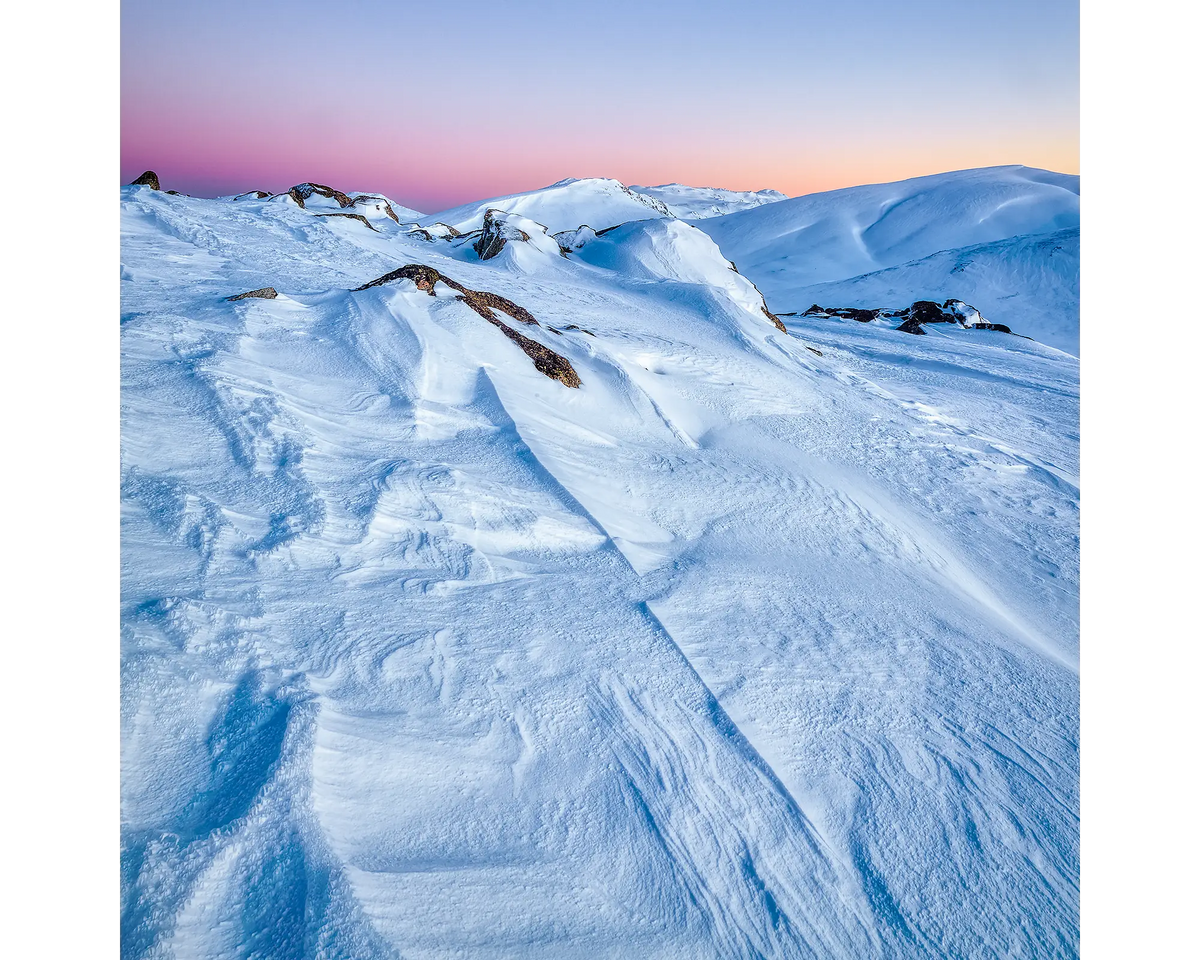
x: 262, y: 293
x: 912, y: 317
x: 848, y: 313
x: 147, y: 179
x: 496, y: 233
x: 912, y: 326
x: 302, y: 191
x: 774, y: 319
x: 353, y: 216
x: 545, y: 360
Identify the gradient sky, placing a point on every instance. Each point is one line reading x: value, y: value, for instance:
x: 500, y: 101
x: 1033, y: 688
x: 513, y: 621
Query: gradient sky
x: 437, y: 103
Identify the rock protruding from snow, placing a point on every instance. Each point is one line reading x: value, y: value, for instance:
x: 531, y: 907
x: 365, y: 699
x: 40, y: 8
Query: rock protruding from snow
x: 501, y: 228
x: 147, y: 179
x: 435, y: 231
x: 353, y: 216
x: 562, y: 206
x: 569, y: 240
x: 546, y: 361
x: 497, y: 231
x: 846, y: 313
x: 262, y: 293
x: 304, y: 191
x: 377, y: 203
x: 913, y: 317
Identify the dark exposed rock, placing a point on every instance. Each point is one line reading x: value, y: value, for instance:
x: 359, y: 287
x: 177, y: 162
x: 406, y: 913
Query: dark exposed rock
x: 770, y: 316
x: 263, y: 293
x: 774, y: 319
x: 926, y: 311
x: 436, y: 231
x: 257, y: 194
x: 485, y: 304
x: 914, y: 316
x: 496, y: 233
x: 848, y: 313
x: 302, y: 191
x: 813, y: 350
x: 353, y: 216
x: 147, y: 179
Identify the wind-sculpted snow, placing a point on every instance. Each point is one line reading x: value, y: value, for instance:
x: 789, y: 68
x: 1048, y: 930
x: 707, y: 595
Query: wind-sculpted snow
x: 565, y: 205
x: 732, y: 651
x: 1003, y: 238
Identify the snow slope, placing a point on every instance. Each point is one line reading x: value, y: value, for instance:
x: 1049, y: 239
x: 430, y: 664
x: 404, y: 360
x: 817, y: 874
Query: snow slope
x: 596, y: 202
x: 754, y: 644
x: 976, y: 235
x: 698, y: 203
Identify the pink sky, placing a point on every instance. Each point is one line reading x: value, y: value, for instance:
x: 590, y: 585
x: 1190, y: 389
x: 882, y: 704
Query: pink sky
x: 437, y: 105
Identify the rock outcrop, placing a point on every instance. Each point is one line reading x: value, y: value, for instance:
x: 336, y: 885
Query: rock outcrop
x: 353, y: 216
x: 914, y: 317
x: 262, y: 293
x: 302, y: 191
x: 147, y: 179
x: 545, y: 360
x: 571, y: 240
x: 496, y: 233
x: 365, y: 199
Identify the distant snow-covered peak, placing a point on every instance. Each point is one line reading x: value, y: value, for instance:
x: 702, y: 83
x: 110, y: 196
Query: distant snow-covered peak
x: 564, y: 205
x: 700, y: 203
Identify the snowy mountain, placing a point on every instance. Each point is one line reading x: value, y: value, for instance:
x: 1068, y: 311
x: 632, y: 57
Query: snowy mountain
x: 545, y: 598
x: 698, y: 203
x: 566, y: 205
x: 1006, y: 239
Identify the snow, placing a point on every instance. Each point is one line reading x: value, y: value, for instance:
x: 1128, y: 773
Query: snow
x: 698, y: 203
x: 566, y: 205
x: 1004, y: 239
x: 736, y: 650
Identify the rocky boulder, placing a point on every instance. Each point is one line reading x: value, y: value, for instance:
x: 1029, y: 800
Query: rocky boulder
x: 546, y: 361
x: 302, y: 191
x: 147, y: 179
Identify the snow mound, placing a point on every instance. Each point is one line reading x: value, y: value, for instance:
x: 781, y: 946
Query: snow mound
x: 700, y: 203
x: 574, y: 239
x: 673, y: 250
x: 562, y: 206
x: 844, y: 233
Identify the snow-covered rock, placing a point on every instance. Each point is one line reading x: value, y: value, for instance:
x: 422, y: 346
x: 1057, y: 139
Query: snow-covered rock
x: 561, y: 206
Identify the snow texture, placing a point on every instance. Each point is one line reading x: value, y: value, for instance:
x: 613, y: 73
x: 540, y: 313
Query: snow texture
x: 736, y: 650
